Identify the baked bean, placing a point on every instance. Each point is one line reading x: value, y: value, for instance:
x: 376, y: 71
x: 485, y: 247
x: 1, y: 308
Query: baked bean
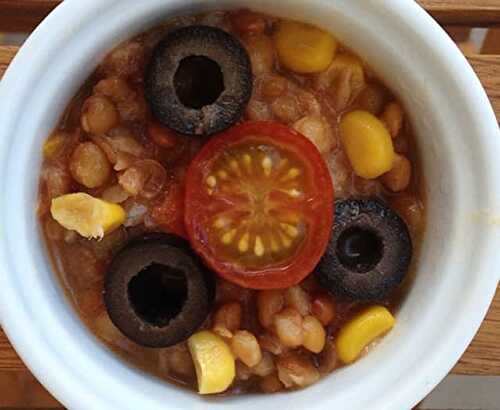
x: 99, y: 115
x: 123, y: 139
x: 227, y: 319
x: 258, y: 111
x: 296, y: 371
x: 248, y: 22
x: 344, y: 80
x: 398, y: 178
x: 373, y: 99
x: 117, y: 89
x: 269, y: 302
x: 341, y: 172
x: 261, y: 51
x: 272, y: 344
x: 146, y: 177
x: 124, y: 160
x: 115, y: 194
x: 89, y: 165
x: 271, y: 384
x: 308, y: 103
x: 314, y: 334
x: 323, y: 308
x: 245, y: 347
x: 298, y: 299
x: 124, y: 61
x: 273, y: 86
x: 341, y: 90
x: 392, y: 117
x: 286, y: 108
x: 133, y: 109
x: 318, y: 131
x: 57, y: 181
x: 105, y: 144
x: 288, y: 327
x: 266, y: 365
x: 132, y: 181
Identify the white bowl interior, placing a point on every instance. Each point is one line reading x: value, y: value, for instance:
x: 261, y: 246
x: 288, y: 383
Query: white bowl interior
x: 455, y: 130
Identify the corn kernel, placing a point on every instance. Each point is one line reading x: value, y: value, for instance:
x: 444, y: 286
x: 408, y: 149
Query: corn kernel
x: 90, y: 217
x: 303, y: 48
x: 361, y: 331
x: 213, y: 360
x: 367, y: 143
x: 52, y: 145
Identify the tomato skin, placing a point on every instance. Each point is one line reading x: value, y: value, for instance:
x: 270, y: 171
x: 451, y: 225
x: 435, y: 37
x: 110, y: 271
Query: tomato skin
x: 169, y: 213
x: 320, y: 206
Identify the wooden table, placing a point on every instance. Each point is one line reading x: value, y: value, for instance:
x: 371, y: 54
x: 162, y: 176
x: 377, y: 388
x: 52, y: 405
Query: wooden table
x: 482, y: 356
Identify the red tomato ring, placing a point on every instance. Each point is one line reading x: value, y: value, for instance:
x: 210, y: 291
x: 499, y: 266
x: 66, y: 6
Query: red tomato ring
x: 259, y: 205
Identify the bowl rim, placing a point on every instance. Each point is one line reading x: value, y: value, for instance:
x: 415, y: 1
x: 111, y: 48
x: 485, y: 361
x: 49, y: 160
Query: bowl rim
x: 71, y: 12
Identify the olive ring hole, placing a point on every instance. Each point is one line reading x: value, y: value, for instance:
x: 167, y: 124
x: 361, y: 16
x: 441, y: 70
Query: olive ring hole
x: 360, y: 249
x: 198, y: 82
x: 158, y: 293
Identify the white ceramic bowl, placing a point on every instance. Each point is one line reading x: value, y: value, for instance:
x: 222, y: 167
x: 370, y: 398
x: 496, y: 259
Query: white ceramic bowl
x: 458, y: 270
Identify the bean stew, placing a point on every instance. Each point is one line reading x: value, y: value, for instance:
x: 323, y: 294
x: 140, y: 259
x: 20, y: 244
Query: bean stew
x: 233, y: 203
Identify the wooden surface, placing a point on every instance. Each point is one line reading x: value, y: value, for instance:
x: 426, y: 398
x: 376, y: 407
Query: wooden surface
x: 482, y: 357
x: 24, y: 15
x: 491, y: 43
x: 464, y: 12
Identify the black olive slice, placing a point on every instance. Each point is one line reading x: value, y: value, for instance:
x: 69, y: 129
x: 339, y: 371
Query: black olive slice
x: 157, y: 292
x: 369, y: 252
x: 199, y: 80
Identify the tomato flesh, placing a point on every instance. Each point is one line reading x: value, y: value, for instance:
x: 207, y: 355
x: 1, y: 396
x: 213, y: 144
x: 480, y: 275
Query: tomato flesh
x: 259, y: 205
x: 169, y: 213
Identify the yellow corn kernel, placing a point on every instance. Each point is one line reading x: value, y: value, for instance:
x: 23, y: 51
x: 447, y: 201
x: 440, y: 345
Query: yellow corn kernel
x: 53, y: 143
x: 303, y: 48
x: 367, y: 143
x: 361, y: 331
x: 314, y: 334
x: 213, y: 360
x: 90, y: 217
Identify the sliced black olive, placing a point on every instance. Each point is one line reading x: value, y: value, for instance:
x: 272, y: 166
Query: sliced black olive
x: 369, y: 252
x: 199, y: 80
x: 157, y: 292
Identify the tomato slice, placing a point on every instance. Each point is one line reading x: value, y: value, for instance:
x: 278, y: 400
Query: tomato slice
x: 259, y: 205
